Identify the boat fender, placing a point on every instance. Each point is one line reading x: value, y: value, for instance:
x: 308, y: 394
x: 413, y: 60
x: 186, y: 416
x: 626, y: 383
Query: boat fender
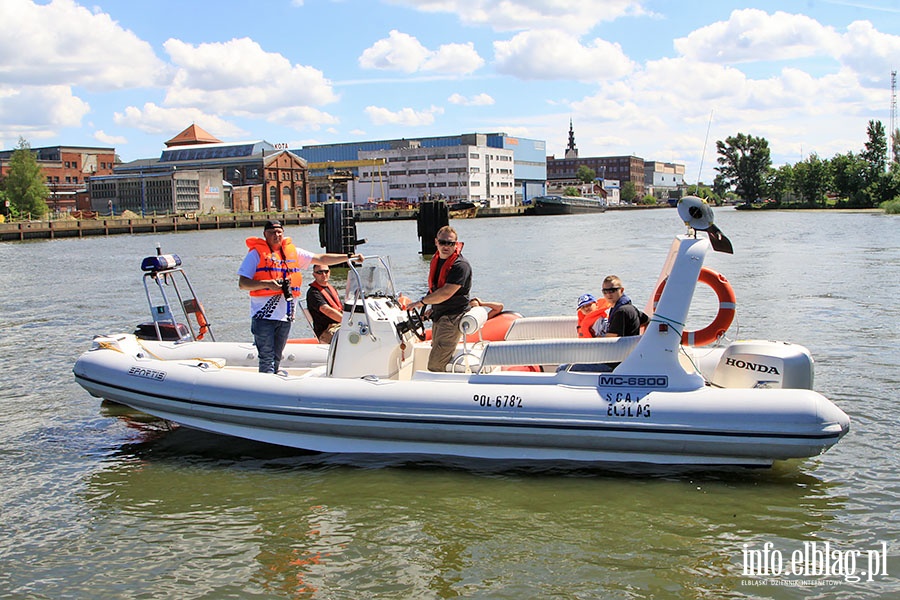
x: 473, y: 320
x: 727, y: 303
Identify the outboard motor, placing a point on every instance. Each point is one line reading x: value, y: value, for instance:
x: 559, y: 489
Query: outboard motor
x: 764, y: 364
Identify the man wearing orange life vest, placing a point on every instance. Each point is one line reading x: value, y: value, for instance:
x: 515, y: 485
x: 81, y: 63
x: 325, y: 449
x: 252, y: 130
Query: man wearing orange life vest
x: 271, y: 272
x: 324, y: 305
x: 449, y: 282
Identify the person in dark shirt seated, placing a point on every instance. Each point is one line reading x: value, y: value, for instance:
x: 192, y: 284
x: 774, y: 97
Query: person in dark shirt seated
x: 624, y: 318
x: 324, y: 305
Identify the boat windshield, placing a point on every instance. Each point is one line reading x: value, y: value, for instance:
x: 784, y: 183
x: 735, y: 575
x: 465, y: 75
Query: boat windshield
x: 372, y: 278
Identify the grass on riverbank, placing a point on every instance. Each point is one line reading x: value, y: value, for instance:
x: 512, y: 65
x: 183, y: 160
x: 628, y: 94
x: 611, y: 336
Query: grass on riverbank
x: 891, y: 207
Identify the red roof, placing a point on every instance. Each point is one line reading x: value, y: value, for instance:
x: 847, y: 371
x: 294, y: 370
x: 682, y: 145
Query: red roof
x: 191, y: 136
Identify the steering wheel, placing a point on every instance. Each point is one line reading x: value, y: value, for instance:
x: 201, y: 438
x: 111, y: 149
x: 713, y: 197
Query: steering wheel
x: 416, y: 323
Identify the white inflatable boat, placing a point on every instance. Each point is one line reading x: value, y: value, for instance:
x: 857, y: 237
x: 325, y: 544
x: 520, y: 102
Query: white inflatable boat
x: 538, y: 394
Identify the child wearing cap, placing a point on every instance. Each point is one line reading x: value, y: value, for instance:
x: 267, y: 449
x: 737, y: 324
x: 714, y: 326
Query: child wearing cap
x: 591, y: 316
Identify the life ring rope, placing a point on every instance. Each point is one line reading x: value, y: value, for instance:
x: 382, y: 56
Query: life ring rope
x: 723, y: 319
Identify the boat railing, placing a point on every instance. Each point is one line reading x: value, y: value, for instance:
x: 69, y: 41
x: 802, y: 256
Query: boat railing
x: 170, y: 275
x: 364, y: 281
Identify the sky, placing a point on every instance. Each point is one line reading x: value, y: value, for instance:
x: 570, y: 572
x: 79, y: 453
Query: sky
x: 659, y: 79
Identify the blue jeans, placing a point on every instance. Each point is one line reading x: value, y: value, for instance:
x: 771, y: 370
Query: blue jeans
x: 270, y: 338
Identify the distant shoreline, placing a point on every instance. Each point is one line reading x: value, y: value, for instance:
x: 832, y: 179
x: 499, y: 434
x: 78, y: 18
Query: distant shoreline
x: 112, y: 225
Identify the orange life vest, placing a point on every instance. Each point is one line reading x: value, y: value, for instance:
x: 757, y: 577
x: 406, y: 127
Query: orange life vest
x: 445, y: 268
x: 330, y: 294
x: 586, y: 321
x: 276, y: 265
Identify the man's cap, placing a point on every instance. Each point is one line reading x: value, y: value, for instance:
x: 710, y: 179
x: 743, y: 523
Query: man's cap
x: 585, y: 299
x: 272, y: 225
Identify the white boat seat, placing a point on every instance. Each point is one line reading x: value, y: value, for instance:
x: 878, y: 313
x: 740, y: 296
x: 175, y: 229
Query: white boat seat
x: 556, y: 352
x: 542, y: 328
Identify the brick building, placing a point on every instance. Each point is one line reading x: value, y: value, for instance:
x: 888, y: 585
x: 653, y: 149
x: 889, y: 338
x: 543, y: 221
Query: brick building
x: 621, y: 168
x: 253, y: 176
x: 66, y: 171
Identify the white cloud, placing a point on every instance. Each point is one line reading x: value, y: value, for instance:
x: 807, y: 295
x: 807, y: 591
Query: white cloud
x: 575, y: 16
x: 38, y: 111
x: 239, y: 77
x: 405, y: 116
x: 869, y: 52
x: 751, y: 35
x: 398, y: 52
x: 157, y: 120
x: 454, y: 58
x: 403, y: 52
x: 112, y: 140
x: 551, y: 54
x: 301, y: 117
x: 476, y: 100
x: 62, y: 43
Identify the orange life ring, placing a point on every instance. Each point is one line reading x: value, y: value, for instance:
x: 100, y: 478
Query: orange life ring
x: 725, y: 316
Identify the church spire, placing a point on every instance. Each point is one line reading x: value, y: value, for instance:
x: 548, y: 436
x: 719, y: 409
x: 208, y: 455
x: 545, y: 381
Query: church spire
x: 571, y: 150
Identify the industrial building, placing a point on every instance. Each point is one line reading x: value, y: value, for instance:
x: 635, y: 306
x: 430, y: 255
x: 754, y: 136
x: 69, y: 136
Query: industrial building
x: 197, y: 173
x: 491, y: 169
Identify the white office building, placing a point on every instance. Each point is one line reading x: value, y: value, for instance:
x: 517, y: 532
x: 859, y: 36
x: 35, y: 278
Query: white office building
x: 472, y: 173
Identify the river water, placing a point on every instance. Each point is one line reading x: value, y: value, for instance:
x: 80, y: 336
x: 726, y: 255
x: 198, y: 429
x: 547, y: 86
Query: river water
x: 94, y: 504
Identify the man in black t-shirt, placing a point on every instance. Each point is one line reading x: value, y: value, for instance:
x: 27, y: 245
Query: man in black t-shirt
x: 449, y: 283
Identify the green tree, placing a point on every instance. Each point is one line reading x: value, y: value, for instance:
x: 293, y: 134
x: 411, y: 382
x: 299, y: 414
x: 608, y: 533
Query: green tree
x: 811, y: 180
x: 848, y: 176
x: 878, y: 182
x: 781, y: 182
x: 585, y: 174
x: 895, y: 146
x: 24, y: 183
x: 702, y: 191
x: 628, y: 193
x: 875, y: 152
x: 745, y: 161
x: 720, y: 186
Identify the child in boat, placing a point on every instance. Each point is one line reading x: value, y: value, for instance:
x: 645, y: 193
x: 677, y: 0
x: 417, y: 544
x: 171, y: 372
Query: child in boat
x: 591, y: 316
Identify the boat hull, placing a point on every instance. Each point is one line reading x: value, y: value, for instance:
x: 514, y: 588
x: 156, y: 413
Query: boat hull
x: 558, y: 205
x: 533, y: 416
